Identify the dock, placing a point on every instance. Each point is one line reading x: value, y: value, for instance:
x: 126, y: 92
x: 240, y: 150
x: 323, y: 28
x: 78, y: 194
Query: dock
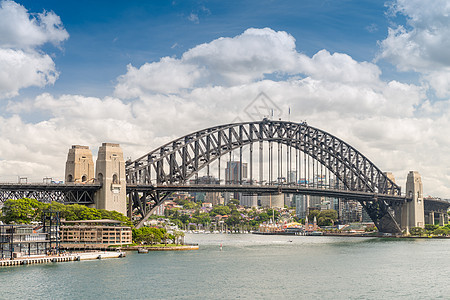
x: 61, y: 258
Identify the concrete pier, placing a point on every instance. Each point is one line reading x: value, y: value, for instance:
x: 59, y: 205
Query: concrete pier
x: 61, y: 258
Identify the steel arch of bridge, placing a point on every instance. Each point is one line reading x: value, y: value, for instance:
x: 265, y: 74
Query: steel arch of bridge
x: 174, y: 163
x: 181, y: 159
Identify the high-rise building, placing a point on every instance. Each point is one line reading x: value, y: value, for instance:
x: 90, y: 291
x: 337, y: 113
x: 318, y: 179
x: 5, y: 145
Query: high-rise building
x: 211, y: 197
x: 350, y: 211
x: 272, y: 200
x: 301, y: 206
x: 234, y: 174
x: 249, y: 200
x: 292, y: 178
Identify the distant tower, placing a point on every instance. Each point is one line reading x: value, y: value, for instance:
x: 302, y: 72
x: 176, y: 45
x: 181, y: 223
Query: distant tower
x: 413, y: 211
x: 79, y: 165
x: 110, y: 170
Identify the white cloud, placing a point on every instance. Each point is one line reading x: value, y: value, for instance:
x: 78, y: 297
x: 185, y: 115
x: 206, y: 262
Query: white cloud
x: 21, y: 33
x: 20, y: 29
x: 421, y: 44
x: 224, y: 61
x: 169, y: 75
x: 20, y: 69
x: 390, y: 122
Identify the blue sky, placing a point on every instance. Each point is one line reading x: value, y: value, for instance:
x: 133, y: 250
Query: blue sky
x: 140, y: 73
x: 105, y: 36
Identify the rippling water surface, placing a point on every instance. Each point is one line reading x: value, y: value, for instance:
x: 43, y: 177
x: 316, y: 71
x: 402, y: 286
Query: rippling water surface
x: 249, y: 267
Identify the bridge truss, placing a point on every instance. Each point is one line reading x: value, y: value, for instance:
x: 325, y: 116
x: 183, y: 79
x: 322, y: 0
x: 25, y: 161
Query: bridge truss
x: 269, y: 154
x: 63, y: 193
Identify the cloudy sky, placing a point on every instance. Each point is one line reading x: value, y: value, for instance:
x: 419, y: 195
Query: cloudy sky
x: 140, y: 73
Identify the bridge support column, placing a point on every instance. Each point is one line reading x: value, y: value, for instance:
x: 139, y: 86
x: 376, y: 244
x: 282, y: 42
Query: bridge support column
x: 413, y: 211
x: 110, y: 169
x: 441, y: 219
x: 431, y: 218
x: 79, y: 165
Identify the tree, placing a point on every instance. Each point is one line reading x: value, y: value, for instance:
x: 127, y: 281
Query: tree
x: 18, y: 211
x: 312, y: 214
x: 220, y: 210
x: 234, y: 201
x: 327, y: 217
x: 177, y: 234
x: 441, y: 231
x: 430, y: 227
x: 166, y: 236
x: 417, y: 231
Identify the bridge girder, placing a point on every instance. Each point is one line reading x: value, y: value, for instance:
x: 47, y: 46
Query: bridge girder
x: 178, y: 161
x: 47, y: 193
x: 181, y: 159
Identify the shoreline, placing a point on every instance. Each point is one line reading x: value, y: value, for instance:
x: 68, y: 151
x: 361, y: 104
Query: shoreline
x: 380, y: 235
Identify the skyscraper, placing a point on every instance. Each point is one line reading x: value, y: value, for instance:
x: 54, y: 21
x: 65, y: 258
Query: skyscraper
x: 234, y: 174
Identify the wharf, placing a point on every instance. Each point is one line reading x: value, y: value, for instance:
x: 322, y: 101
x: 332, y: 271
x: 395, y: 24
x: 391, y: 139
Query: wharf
x: 61, y: 258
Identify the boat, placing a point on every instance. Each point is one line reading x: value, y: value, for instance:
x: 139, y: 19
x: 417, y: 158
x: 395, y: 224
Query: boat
x: 142, y: 250
x: 316, y: 233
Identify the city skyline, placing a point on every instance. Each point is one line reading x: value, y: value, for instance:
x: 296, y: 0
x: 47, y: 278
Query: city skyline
x: 374, y: 74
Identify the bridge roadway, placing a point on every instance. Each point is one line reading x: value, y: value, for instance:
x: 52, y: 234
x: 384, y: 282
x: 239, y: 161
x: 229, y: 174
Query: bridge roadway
x: 269, y: 189
x: 71, y: 193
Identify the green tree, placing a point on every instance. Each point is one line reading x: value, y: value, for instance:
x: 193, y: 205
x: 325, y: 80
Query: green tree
x: 18, y: 211
x: 263, y: 217
x: 220, y: 210
x: 327, y: 217
x: 313, y: 213
x: 430, y: 227
x: 166, y: 236
x: 416, y: 231
x: 441, y: 231
x: 234, y: 201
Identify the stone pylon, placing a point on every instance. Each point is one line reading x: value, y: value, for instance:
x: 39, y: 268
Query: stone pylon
x: 110, y: 170
x: 413, y: 210
x: 79, y: 165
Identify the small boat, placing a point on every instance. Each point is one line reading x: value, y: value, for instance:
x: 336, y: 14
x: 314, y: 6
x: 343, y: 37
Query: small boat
x: 316, y: 233
x: 142, y: 250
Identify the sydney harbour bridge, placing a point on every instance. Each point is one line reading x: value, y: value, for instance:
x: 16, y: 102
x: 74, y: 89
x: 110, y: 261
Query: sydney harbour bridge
x: 278, y: 157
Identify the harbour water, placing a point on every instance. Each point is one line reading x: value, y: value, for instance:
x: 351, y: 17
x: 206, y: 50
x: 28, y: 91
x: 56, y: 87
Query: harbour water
x: 249, y: 267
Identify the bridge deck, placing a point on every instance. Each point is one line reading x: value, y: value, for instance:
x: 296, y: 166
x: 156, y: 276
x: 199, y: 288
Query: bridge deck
x: 268, y: 189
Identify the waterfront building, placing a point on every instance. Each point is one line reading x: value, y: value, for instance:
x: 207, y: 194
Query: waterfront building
x: 270, y: 228
x: 309, y: 227
x: 350, y: 211
x: 23, y: 240
x: 91, y: 232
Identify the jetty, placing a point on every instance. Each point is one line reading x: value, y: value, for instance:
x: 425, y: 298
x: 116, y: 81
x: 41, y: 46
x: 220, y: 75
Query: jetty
x: 61, y: 258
